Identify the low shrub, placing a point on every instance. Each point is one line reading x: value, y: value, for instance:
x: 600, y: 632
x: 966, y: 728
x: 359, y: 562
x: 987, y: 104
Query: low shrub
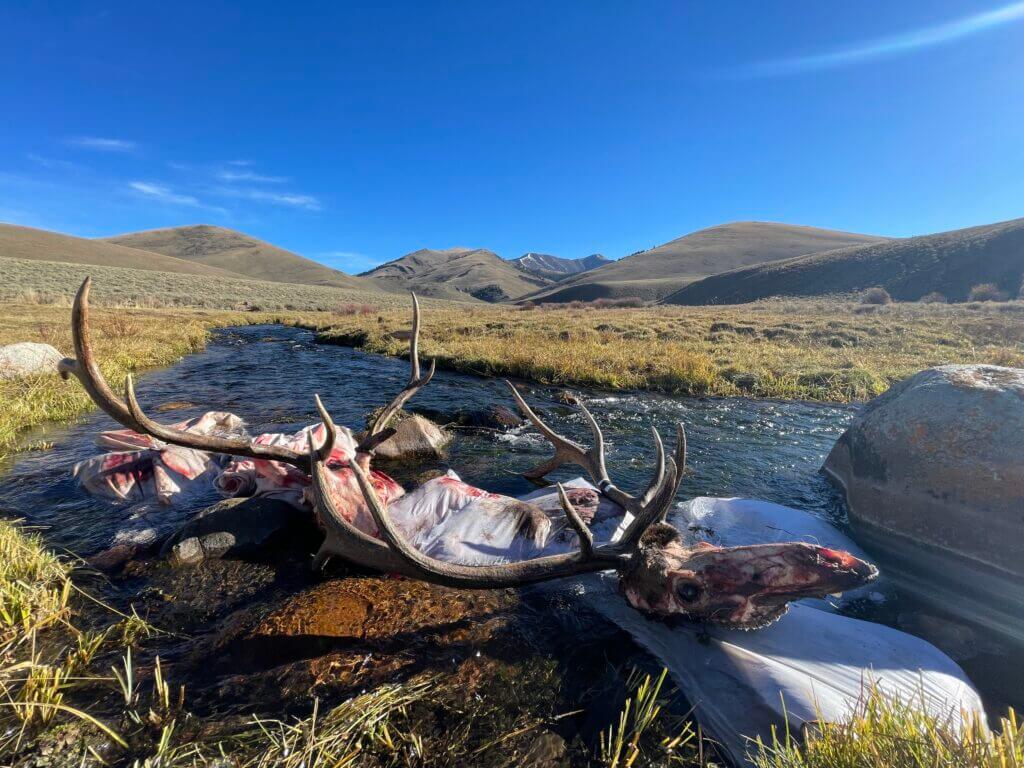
x: 354, y: 309
x: 987, y: 292
x: 933, y: 298
x: 876, y: 295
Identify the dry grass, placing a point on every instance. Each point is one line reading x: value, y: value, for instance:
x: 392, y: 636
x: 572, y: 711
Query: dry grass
x: 810, y: 349
x: 49, y: 282
x: 817, y: 350
x: 125, y: 341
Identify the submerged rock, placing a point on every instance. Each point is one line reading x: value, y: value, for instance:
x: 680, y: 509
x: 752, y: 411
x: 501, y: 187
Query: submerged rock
x: 495, y: 416
x: 27, y: 358
x: 933, y: 472
x: 415, y: 437
x: 238, y: 527
x: 348, y: 634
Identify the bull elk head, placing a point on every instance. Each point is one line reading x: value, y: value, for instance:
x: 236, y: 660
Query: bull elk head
x: 659, y: 572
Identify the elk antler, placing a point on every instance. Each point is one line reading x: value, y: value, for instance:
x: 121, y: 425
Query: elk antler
x: 588, y: 559
x: 129, y: 413
x: 374, y: 436
x: 663, y: 484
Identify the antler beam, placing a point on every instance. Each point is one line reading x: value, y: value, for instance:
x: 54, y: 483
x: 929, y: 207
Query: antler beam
x: 663, y: 485
x: 416, y: 383
x: 129, y: 413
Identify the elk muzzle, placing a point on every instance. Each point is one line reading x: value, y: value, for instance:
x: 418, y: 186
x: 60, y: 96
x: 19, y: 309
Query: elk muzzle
x: 745, y: 587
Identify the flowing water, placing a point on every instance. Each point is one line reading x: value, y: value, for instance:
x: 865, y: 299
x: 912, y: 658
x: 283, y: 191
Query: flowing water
x: 268, y: 374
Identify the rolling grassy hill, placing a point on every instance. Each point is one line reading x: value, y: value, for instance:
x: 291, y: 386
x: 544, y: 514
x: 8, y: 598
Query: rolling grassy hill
x: 456, y: 273
x: 949, y: 263
x: 39, y: 245
x: 238, y: 253
x: 661, y: 271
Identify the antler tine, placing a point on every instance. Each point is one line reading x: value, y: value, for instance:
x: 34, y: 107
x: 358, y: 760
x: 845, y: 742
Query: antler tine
x: 323, y: 453
x: 416, y: 383
x: 659, y: 467
x: 680, y: 453
x: 212, y: 443
x: 345, y: 539
x: 84, y: 367
x: 650, y: 513
x: 414, y: 342
x: 513, y: 574
x: 647, y: 509
x: 585, y: 536
x: 566, y: 450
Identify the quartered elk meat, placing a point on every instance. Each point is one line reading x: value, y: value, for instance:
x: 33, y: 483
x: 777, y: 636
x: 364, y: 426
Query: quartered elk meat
x: 465, y: 537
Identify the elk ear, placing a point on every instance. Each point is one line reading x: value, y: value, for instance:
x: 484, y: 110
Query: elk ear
x: 659, y: 535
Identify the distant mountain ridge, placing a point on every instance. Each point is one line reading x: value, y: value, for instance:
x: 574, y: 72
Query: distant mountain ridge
x: 556, y: 267
x: 456, y: 273
x: 238, y: 253
x: 661, y: 271
x: 950, y: 263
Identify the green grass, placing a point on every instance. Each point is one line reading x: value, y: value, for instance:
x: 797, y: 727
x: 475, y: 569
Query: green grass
x: 883, y: 733
x: 84, y: 694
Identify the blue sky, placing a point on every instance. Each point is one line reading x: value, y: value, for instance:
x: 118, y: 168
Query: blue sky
x: 354, y: 134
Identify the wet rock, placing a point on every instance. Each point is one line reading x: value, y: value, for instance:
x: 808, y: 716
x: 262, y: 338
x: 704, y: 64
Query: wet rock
x: 495, y: 416
x: 352, y: 633
x: 114, y: 558
x: 933, y: 472
x: 174, y: 405
x: 239, y: 527
x: 28, y: 358
x: 415, y: 437
x: 565, y: 397
x: 547, y: 750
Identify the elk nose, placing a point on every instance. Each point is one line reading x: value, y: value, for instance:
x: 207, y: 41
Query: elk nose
x: 859, y: 570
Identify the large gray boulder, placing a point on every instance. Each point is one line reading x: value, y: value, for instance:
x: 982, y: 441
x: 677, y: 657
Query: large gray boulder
x: 236, y: 528
x: 933, y: 472
x: 27, y: 358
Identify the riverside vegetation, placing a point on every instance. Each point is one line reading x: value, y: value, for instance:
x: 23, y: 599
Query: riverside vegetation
x: 835, y: 350
x: 805, y: 349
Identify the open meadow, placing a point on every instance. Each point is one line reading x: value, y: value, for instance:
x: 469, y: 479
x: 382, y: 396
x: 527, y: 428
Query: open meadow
x: 833, y: 350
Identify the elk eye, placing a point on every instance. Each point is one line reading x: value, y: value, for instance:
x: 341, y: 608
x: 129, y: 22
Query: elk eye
x: 688, y: 592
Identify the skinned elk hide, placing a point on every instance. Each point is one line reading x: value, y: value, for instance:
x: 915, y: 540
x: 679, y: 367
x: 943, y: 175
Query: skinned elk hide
x: 142, y: 467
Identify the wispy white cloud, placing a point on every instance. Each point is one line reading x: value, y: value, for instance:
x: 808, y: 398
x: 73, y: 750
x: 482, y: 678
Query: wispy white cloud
x: 251, y: 176
x: 241, y: 163
x: 290, y: 199
x: 54, y: 163
x: 881, y: 47
x: 165, y: 194
x: 102, y: 144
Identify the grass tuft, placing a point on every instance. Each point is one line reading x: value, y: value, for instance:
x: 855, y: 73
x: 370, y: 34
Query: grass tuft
x: 887, y: 733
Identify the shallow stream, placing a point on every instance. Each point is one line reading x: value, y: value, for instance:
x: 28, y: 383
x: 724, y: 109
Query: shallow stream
x: 268, y: 374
